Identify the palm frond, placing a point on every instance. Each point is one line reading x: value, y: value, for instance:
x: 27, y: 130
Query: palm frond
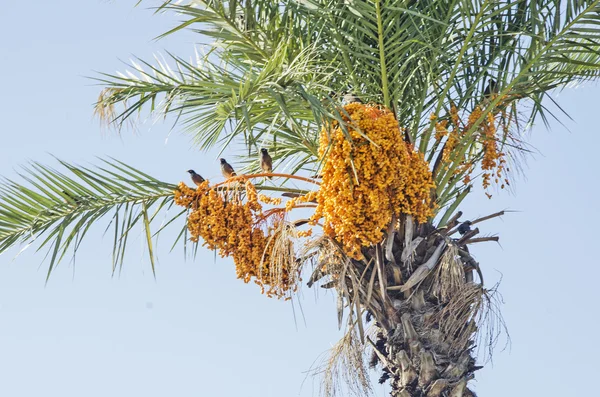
x: 271, y: 67
x: 220, y: 104
x: 57, y: 208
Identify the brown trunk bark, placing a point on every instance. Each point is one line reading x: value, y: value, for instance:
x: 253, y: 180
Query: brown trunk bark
x: 418, y: 288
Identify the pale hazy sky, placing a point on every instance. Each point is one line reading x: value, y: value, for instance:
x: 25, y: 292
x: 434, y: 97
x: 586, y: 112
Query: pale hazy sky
x: 196, y: 330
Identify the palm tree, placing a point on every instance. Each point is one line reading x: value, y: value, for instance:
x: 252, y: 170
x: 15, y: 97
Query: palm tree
x: 379, y: 117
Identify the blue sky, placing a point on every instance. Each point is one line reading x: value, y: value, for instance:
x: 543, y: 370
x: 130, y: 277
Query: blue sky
x: 196, y: 330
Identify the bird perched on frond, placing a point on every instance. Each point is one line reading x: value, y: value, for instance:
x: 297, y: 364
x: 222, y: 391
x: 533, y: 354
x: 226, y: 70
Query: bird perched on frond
x: 266, y: 162
x: 226, y: 169
x: 350, y: 98
x: 490, y: 89
x: 464, y: 228
x: 196, y: 178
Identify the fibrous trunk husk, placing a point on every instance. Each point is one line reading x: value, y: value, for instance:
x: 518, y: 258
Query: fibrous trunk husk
x: 418, y: 289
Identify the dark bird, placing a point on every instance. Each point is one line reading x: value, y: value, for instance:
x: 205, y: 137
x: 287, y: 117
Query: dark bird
x: 492, y: 88
x: 196, y: 178
x: 350, y: 98
x: 266, y: 162
x: 464, y: 228
x: 226, y: 169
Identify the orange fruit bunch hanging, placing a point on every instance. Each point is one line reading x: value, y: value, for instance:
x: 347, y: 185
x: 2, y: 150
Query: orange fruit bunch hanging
x: 236, y: 228
x: 493, y: 162
x: 368, y: 177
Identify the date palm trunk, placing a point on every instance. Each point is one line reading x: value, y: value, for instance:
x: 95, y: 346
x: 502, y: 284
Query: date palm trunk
x: 419, y: 290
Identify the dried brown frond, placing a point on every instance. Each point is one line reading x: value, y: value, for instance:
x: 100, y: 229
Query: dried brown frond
x: 105, y: 107
x: 491, y: 326
x: 284, y: 269
x: 310, y: 253
x: 375, y: 333
x: 313, y: 245
x: 449, y: 277
x: 463, y: 318
x: 330, y: 260
x: 345, y: 367
x: 456, y: 320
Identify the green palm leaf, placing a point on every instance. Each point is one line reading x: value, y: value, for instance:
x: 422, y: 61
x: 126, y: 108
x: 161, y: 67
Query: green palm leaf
x: 274, y: 73
x: 277, y: 62
x: 58, y: 208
